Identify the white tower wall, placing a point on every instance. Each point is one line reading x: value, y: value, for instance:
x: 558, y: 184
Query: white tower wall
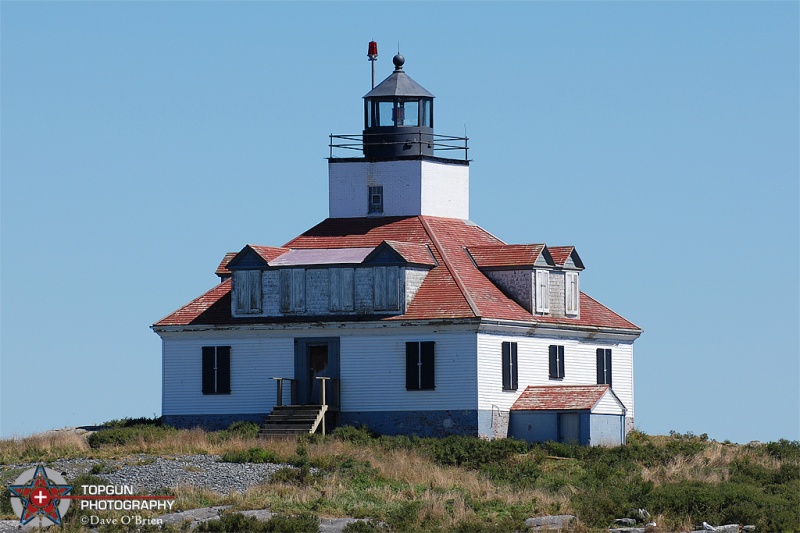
x: 410, y: 187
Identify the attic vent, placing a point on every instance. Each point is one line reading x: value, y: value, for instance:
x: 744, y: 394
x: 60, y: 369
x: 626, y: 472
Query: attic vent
x: 376, y: 199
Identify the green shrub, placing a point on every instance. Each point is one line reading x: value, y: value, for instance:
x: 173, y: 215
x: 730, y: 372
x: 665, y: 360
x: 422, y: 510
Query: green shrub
x: 244, y: 429
x: 364, y: 526
x: 357, y: 435
x: 253, y: 455
x: 294, y: 476
x: 121, y: 436
x: 470, y: 452
x: 130, y: 422
x: 303, y: 523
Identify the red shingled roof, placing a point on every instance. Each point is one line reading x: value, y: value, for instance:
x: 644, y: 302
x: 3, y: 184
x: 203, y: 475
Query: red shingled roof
x: 562, y: 397
x: 560, y: 254
x: 454, y: 287
x: 506, y: 255
x: 222, y: 269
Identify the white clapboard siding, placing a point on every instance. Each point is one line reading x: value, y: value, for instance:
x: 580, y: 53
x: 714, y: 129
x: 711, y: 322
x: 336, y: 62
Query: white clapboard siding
x: 255, y: 360
x: 608, y: 405
x: 580, y: 367
x: 373, y: 373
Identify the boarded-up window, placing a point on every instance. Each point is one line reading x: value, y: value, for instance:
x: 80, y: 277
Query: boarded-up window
x: 542, y: 291
x: 420, y: 366
x: 375, y: 195
x: 247, y: 287
x: 572, y: 294
x: 387, y: 288
x: 556, y: 361
x: 293, y: 290
x: 509, y: 366
x: 216, y: 369
x: 604, y: 366
x: 342, y: 289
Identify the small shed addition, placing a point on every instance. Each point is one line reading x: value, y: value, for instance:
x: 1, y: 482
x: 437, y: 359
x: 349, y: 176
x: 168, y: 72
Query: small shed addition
x: 585, y: 414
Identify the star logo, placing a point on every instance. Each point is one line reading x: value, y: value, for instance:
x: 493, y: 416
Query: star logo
x: 35, y: 494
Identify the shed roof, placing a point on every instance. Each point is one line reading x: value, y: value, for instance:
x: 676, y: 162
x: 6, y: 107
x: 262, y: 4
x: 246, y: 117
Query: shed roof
x: 322, y: 256
x: 560, y: 397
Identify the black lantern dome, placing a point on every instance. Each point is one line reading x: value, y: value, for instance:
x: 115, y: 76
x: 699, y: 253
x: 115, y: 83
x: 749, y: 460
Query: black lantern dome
x: 398, y: 117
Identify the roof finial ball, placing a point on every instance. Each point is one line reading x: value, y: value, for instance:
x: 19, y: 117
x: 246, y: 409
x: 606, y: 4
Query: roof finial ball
x: 398, y: 61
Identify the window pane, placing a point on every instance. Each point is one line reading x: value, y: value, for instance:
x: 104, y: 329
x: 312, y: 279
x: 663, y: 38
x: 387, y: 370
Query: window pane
x: 411, y: 114
x: 385, y: 112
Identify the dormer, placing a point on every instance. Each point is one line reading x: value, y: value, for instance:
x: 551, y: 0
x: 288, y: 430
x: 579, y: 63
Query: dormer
x: 275, y: 282
x: 532, y: 277
x: 247, y: 272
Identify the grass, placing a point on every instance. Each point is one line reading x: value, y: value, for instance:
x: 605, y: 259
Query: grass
x: 465, y: 484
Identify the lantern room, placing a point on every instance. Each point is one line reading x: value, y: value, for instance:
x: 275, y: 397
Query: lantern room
x: 398, y: 117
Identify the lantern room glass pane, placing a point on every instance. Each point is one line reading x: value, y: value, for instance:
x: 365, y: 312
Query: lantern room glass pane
x: 425, y: 116
x: 386, y: 113
x: 411, y: 113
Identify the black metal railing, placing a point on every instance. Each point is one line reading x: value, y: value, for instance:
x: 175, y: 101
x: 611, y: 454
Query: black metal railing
x: 344, y: 146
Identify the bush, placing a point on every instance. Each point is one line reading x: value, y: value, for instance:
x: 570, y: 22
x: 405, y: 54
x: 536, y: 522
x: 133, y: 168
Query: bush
x: 130, y: 422
x: 121, y: 436
x: 470, y: 452
x: 253, y: 455
x: 294, y: 476
x: 357, y: 435
x: 364, y: 526
x: 303, y: 523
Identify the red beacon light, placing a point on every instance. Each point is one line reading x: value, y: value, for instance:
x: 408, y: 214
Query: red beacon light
x: 372, y: 51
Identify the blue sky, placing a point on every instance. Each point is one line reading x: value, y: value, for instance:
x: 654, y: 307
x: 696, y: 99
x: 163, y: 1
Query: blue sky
x: 140, y: 141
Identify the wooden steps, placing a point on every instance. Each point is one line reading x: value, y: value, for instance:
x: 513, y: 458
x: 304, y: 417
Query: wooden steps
x: 288, y: 420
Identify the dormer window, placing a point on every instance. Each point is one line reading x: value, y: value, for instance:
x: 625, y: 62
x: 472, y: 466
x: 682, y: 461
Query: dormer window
x: 375, y: 194
x: 542, y: 291
x: 572, y: 294
x: 248, y: 291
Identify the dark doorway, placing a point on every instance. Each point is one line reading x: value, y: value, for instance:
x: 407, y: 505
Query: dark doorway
x: 316, y: 357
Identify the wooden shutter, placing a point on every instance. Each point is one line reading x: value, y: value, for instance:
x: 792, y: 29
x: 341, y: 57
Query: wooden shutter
x: 348, y: 289
x: 560, y: 368
x: 392, y: 288
x: 428, y: 380
x: 542, y: 291
x: 380, y: 287
x: 514, y: 373
x: 554, y: 361
x: 506, y: 366
x: 298, y: 289
x: 286, y: 290
x: 603, y: 366
x: 254, y: 290
x: 209, y: 353
x: 412, y: 366
x: 341, y: 287
x: 572, y: 295
x: 223, y: 370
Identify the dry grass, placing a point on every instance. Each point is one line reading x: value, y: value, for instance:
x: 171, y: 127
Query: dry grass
x: 44, y: 446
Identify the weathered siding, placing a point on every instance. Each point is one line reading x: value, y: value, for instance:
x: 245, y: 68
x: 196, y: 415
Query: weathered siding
x: 557, y: 287
x: 607, y: 430
x: 516, y: 284
x: 255, y: 360
x: 580, y: 368
x: 373, y: 372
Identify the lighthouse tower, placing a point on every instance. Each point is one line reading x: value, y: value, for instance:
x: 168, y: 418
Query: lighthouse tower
x: 400, y: 173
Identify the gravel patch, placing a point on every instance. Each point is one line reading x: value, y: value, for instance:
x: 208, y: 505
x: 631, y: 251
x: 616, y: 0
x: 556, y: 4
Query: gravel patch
x: 148, y: 474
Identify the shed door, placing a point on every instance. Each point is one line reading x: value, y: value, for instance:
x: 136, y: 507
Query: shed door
x: 569, y: 427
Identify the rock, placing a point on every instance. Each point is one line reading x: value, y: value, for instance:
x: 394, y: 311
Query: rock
x: 540, y: 523
x: 203, y: 514
x: 625, y: 521
x: 728, y: 528
x: 748, y: 528
x: 627, y: 530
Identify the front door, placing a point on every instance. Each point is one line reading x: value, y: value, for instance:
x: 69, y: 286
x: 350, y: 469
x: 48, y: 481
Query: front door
x: 313, y: 358
x: 569, y: 427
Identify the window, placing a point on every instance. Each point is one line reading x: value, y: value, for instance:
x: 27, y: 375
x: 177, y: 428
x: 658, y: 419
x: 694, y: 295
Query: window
x: 509, y: 366
x: 216, y: 369
x: 375, y: 195
x: 293, y: 290
x: 604, y: 366
x: 572, y: 294
x: 420, y: 372
x: 542, y: 291
x: 248, y: 291
x: 556, y: 362
x: 387, y: 288
x: 341, y: 280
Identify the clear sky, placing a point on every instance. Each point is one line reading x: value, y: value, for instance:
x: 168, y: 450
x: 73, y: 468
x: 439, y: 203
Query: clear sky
x: 140, y: 141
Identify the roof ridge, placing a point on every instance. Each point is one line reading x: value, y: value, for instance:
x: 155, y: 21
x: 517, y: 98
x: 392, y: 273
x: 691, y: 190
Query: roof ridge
x: 453, y: 272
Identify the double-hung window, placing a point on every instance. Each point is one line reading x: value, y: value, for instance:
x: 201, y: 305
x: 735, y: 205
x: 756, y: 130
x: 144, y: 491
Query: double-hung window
x: 216, y: 369
x: 510, y: 366
x: 556, y: 362
x: 604, y: 366
x: 420, y: 367
x: 542, y: 291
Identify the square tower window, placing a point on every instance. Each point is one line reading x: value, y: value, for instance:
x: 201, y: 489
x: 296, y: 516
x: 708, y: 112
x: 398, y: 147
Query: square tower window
x: 375, y: 199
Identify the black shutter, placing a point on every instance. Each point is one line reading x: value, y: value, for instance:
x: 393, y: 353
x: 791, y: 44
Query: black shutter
x: 412, y: 368
x: 223, y: 369
x: 208, y: 369
x: 506, y: 365
x: 561, y: 361
x: 603, y: 366
x: 513, y: 366
x: 554, y: 361
x: 428, y: 367
x: 608, y: 366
